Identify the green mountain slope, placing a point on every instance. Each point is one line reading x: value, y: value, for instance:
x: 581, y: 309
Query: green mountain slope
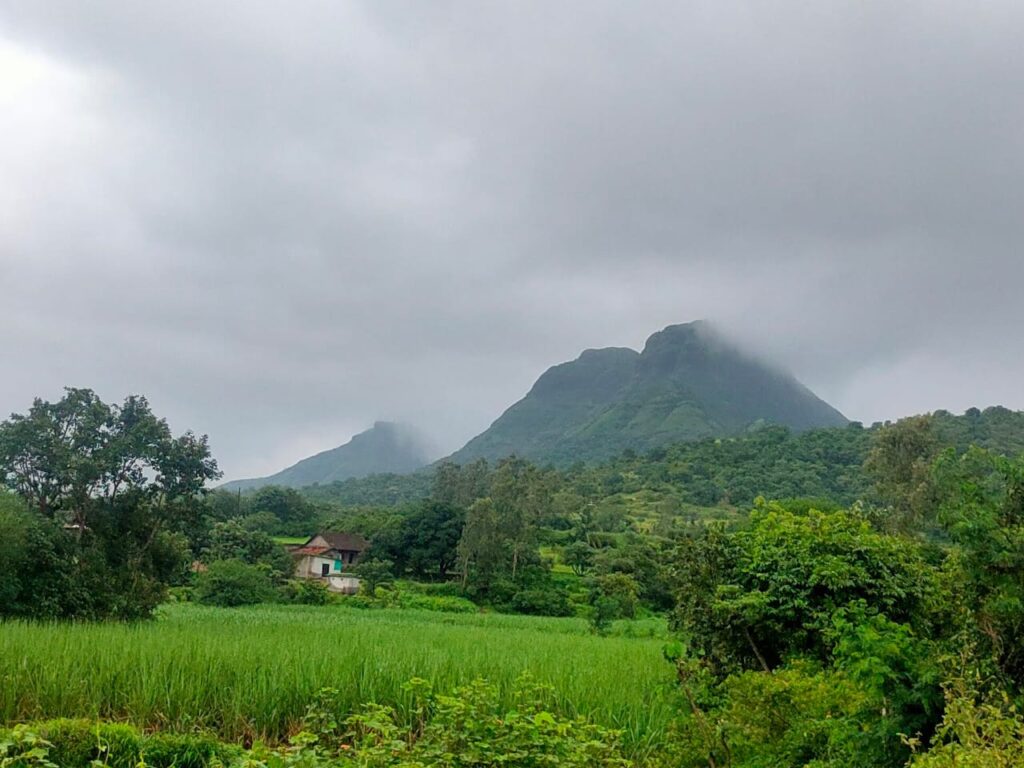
x: 385, y: 448
x: 688, y: 383
x: 774, y: 462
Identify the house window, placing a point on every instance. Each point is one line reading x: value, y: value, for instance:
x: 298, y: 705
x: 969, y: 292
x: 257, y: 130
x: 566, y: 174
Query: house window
x: 325, y: 569
x: 337, y: 565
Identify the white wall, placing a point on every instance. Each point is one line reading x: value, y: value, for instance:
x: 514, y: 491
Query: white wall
x: 311, y: 565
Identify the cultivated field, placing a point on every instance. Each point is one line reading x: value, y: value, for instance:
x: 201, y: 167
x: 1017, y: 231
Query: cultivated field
x: 250, y: 673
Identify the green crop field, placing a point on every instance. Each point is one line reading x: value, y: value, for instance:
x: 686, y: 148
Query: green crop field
x: 251, y: 672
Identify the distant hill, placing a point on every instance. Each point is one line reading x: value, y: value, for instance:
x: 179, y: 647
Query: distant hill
x: 774, y: 462
x: 688, y: 383
x: 383, y: 449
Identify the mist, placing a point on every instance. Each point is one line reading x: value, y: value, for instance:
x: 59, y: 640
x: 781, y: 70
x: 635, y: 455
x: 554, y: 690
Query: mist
x: 282, y: 224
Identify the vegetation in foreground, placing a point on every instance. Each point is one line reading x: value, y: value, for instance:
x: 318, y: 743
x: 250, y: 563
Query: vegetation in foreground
x: 250, y: 673
x: 469, y: 726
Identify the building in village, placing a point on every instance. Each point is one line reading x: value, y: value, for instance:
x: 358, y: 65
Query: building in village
x: 330, y: 556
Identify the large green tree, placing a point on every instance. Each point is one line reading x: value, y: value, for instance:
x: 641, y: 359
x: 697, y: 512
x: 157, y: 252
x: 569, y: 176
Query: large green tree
x: 522, y: 496
x: 425, y: 541
x: 753, y: 598
x: 899, y: 464
x: 115, y: 481
x: 461, y: 485
x: 982, y: 510
x: 294, y: 513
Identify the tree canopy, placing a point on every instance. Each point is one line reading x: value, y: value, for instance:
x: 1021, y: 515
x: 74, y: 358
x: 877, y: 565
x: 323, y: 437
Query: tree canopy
x: 109, y: 486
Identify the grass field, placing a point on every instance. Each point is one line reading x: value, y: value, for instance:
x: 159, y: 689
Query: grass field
x: 250, y: 673
x: 290, y: 540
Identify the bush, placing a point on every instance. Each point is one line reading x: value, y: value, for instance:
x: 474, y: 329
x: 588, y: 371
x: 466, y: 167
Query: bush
x: 975, y: 732
x: 603, y: 612
x: 84, y: 744
x: 617, y: 595
x: 180, y: 594
x: 373, y: 574
x: 231, y: 583
x: 79, y: 742
x: 173, y: 750
x: 553, y: 601
x: 467, y: 729
x: 436, y: 588
x: 439, y: 603
x: 306, y: 592
x: 21, y: 748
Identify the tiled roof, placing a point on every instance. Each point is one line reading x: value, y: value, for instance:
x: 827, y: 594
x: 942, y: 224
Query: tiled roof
x: 349, y: 542
x: 310, y: 550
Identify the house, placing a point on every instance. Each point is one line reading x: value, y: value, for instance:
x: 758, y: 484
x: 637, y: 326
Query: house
x: 329, y: 556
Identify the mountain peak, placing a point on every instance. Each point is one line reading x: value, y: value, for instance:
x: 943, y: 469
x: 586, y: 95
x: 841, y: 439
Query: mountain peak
x: 384, y: 448
x: 690, y: 381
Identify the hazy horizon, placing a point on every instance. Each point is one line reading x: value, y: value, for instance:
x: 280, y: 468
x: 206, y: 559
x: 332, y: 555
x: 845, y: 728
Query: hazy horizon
x: 282, y: 223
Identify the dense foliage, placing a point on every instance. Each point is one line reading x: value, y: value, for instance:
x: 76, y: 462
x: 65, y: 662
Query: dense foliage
x: 469, y: 727
x: 770, y: 461
x: 108, y: 489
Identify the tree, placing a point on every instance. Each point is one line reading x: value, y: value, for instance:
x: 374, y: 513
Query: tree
x: 579, y: 556
x: 231, y: 583
x: 115, y: 481
x: 460, y: 486
x: 647, y: 560
x: 77, y: 458
x: 899, y: 463
x: 753, y: 598
x: 614, y: 595
x: 982, y: 511
x: 481, y: 548
x: 233, y: 540
x: 295, y: 515
x: 425, y: 541
x: 374, y: 573
x: 522, y: 496
x: 14, y: 523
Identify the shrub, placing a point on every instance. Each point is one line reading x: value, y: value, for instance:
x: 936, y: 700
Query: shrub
x: 617, y: 594
x: 76, y: 743
x: 750, y: 599
x: 437, y: 588
x: 440, y: 603
x: 373, y: 574
x: 975, y: 733
x: 173, y: 750
x: 466, y: 729
x: 180, y: 594
x: 21, y: 748
x: 84, y: 744
x: 553, y: 601
x: 306, y: 592
x: 231, y: 583
x: 603, y: 612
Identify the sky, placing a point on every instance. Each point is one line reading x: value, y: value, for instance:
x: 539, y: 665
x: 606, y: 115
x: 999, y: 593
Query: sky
x: 282, y: 221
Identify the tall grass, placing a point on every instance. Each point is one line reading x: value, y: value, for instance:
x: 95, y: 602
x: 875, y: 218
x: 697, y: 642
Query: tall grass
x: 250, y: 673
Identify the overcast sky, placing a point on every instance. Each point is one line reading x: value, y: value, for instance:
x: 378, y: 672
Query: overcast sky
x: 281, y: 221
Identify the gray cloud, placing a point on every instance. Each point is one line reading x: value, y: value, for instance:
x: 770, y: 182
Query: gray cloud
x: 284, y: 222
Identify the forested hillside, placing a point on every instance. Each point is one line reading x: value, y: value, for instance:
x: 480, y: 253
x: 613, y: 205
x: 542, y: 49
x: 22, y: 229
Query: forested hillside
x: 773, y: 462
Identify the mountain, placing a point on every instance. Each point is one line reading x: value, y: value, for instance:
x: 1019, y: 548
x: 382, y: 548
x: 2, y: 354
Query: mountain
x: 688, y: 383
x: 385, y: 448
